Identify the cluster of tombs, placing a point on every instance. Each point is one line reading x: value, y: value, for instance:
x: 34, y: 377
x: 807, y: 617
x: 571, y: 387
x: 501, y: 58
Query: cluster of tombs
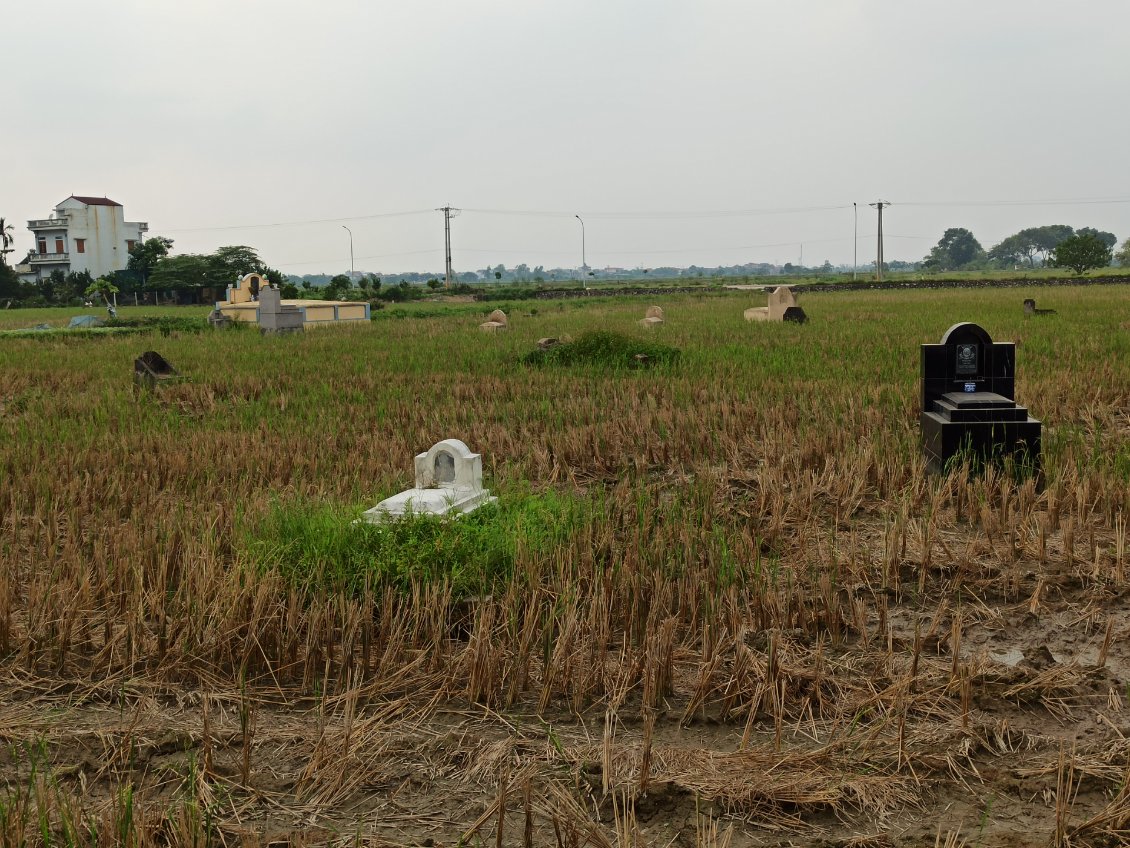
x: 253, y: 300
x: 782, y: 307
x: 967, y: 415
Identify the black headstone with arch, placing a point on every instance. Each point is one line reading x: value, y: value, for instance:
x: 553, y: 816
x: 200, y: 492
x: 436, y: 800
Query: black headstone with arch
x: 968, y: 382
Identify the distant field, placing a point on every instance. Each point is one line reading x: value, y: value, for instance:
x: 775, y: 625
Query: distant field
x: 720, y: 601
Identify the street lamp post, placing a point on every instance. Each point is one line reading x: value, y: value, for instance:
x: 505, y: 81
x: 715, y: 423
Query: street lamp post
x: 584, y: 264
x: 351, y: 272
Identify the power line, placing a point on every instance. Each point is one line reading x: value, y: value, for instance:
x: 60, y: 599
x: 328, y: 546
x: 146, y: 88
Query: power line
x: 370, y: 256
x: 659, y: 214
x: 296, y: 223
x: 656, y: 214
x: 1060, y: 202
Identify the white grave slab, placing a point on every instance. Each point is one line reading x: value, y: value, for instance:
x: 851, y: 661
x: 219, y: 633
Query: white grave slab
x: 449, y: 479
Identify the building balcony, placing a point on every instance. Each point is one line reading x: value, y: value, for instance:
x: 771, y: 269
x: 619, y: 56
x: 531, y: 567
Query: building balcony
x: 48, y: 224
x: 49, y: 258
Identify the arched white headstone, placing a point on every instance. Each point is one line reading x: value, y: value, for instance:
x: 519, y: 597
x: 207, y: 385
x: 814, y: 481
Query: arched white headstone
x: 449, y: 479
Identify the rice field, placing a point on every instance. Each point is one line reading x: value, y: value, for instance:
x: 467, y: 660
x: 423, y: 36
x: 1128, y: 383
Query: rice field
x: 720, y: 602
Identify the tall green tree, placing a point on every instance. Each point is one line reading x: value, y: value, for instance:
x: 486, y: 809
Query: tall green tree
x: 237, y: 260
x: 188, y: 270
x: 1081, y: 253
x: 336, y: 287
x: 9, y: 284
x: 956, y: 249
x: 144, y: 256
x: 102, y: 287
x: 1109, y: 239
x: 1123, y: 255
x: 1030, y: 243
x: 213, y: 270
x: 6, y: 241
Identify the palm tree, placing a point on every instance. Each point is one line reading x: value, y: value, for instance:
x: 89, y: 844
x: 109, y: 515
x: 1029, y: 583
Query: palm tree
x: 6, y: 239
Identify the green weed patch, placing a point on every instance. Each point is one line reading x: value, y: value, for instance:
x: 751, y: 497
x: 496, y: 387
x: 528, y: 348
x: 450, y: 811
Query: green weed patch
x: 604, y: 348
x: 325, y: 547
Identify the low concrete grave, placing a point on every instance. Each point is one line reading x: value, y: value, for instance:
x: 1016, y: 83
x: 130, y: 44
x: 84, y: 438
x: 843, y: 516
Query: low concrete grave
x: 496, y: 322
x: 652, y: 317
x: 449, y: 480
x: 84, y: 321
x: 968, y: 381
x: 782, y: 307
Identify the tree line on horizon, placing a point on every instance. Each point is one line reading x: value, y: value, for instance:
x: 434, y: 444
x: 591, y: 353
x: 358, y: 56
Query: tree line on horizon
x: 1052, y: 245
x: 152, y: 268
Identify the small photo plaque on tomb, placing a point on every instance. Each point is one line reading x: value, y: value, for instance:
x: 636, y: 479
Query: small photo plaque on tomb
x: 966, y: 359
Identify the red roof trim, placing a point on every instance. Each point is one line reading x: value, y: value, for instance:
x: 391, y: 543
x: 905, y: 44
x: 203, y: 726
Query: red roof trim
x: 94, y: 201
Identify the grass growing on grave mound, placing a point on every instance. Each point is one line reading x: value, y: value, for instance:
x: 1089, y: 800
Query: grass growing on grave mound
x: 601, y: 347
x: 325, y: 547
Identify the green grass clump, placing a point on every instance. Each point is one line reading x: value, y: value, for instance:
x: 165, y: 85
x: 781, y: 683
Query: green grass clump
x: 601, y: 347
x: 325, y: 547
x: 166, y: 324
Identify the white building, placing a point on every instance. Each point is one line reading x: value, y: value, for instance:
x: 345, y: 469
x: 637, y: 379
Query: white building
x: 83, y: 234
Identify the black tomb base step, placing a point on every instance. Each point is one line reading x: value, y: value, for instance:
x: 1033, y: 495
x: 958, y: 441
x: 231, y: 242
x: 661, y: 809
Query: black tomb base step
x: 944, y: 439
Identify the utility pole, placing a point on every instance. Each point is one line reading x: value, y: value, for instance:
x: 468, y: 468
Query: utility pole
x: 584, y: 264
x: 879, y: 260
x: 448, y: 212
x: 855, y: 241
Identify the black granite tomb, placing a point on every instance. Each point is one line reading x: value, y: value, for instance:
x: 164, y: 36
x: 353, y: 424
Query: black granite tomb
x: 968, y: 381
x: 151, y: 369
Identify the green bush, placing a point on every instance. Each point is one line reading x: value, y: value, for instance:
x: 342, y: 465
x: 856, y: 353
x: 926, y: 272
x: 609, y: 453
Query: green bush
x: 165, y: 324
x: 326, y: 547
x: 601, y: 347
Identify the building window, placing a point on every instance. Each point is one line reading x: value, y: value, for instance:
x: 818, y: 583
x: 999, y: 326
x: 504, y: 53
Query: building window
x: 59, y: 244
x: 80, y: 245
x: 42, y: 246
x: 129, y: 244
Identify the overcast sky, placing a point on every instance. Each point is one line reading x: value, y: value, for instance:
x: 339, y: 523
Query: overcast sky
x: 649, y: 118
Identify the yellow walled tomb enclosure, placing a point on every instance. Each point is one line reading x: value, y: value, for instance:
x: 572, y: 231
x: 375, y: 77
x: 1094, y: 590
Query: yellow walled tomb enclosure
x: 244, y: 304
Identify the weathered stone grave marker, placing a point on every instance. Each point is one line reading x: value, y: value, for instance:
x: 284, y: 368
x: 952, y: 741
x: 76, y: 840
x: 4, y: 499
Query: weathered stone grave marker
x: 449, y: 479
x: 782, y: 307
x: 1030, y: 308
x: 496, y: 322
x: 968, y: 381
x: 652, y: 317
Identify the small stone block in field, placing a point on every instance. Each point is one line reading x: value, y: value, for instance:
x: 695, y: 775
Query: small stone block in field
x: 276, y: 317
x: 652, y: 317
x: 1030, y: 308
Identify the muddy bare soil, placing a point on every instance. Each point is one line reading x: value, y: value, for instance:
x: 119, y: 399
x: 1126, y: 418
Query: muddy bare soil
x: 997, y: 718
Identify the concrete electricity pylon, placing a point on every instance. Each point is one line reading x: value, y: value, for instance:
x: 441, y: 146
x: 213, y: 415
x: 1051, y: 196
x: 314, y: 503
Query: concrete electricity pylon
x: 879, y: 259
x: 448, y: 213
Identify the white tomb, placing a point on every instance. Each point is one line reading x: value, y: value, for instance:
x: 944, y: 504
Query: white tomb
x: 449, y: 480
